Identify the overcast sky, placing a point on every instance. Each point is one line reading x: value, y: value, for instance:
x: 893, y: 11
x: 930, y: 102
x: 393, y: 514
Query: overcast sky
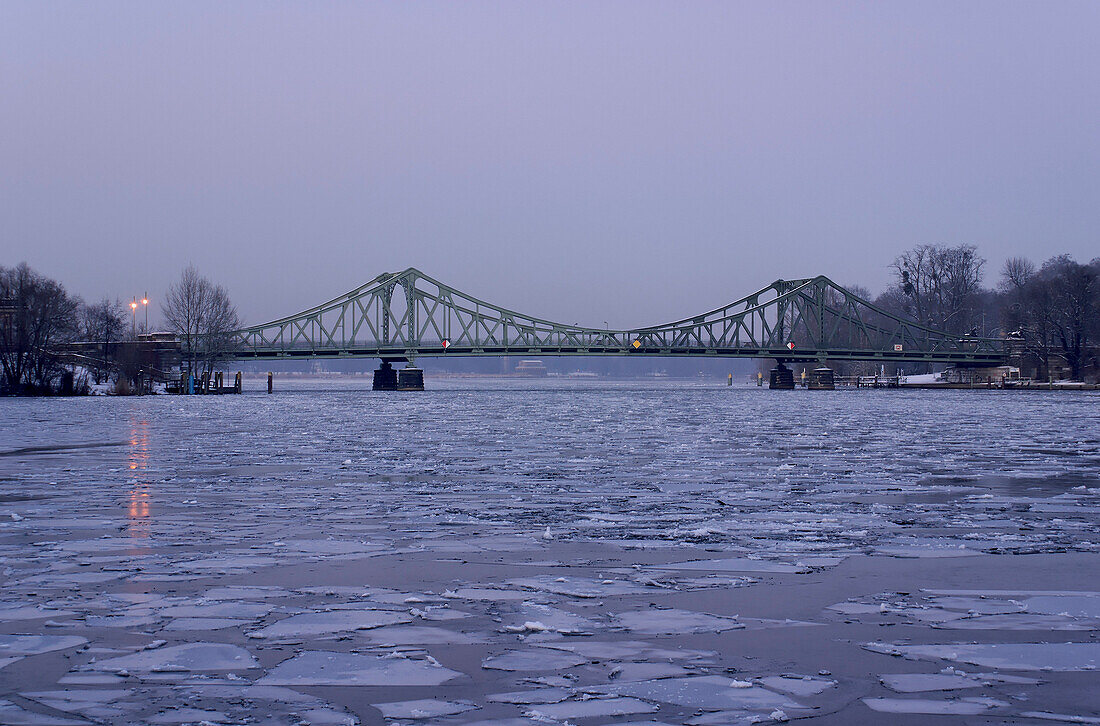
x: 628, y: 162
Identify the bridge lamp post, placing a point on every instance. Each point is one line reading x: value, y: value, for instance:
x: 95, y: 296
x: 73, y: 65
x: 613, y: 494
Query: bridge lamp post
x: 133, y: 311
x: 145, y: 303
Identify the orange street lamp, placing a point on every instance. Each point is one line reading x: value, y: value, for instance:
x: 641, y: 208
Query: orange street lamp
x: 133, y: 309
x: 145, y: 302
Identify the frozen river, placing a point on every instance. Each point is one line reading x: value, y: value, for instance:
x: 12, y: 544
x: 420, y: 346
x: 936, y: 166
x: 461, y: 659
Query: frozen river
x: 551, y: 551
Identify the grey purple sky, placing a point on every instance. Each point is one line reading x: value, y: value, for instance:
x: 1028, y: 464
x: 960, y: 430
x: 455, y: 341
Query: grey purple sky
x: 628, y: 162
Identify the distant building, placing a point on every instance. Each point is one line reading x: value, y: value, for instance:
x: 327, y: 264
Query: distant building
x: 531, y: 369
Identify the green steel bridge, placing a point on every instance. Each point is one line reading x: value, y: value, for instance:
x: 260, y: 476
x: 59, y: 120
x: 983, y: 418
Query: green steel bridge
x: 408, y: 315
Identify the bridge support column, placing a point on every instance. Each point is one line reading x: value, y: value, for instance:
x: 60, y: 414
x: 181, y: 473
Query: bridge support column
x: 781, y: 378
x: 410, y: 378
x: 821, y: 379
x: 385, y: 378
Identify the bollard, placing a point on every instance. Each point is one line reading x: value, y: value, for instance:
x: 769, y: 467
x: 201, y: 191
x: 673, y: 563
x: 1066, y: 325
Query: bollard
x: 269, y: 376
x: 237, y: 383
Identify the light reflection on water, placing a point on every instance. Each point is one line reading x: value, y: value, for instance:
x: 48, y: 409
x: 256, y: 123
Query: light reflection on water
x: 138, y: 458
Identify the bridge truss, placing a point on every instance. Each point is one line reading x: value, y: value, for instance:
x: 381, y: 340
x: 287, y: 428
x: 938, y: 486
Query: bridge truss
x: 407, y: 315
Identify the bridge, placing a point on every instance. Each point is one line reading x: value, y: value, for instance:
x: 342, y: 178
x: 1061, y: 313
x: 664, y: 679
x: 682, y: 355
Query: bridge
x: 407, y: 315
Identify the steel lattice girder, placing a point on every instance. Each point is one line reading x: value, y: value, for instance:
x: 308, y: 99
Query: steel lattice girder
x: 408, y: 315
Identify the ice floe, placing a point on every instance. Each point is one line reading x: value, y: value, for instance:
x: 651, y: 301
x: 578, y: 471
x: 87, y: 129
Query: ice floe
x: 199, y: 657
x: 532, y: 660
x: 1010, y: 656
x: 591, y: 708
x: 423, y: 708
x: 333, y: 621
x: 322, y: 668
x: 957, y: 707
x: 705, y: 692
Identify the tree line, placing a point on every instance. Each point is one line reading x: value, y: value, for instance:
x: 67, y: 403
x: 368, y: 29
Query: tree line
x: 52, y: 341
x: 1050, y: 312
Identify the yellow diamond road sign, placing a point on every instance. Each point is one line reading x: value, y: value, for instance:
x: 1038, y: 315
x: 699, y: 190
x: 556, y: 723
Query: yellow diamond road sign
x: 637, y: 344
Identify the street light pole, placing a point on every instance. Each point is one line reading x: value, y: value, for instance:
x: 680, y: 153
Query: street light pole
x: 145, y: 302
x: 133, y: 310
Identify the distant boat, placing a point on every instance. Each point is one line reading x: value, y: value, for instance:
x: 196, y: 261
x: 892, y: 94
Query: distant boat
x: 583, y: 374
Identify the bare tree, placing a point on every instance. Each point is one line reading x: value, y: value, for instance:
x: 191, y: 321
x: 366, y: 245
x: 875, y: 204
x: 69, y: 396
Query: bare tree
x: 37, y: 316
x: 105, y: 323
x: 1016, y: 272
x: 940, y: 286
x: 202, y: 314
x: 1055, y: 310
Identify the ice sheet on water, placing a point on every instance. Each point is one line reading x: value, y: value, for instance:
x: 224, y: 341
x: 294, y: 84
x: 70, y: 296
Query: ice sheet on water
x: 1010, y: 656
x: 539, y: 695
x: 954, y: 707
x: 198, y: 657
x: 736, y: 564
x: 332, y: 621
x: 729, y: 718
x: 532, y: 660
x: 1020, y: 621
x: 196, y: 624
x: 978, y: 605
x: 423, y: 708
x: 91, y: 679
x: 8, y: 614
x: 333, y: 546
x: 1061, y: 717
x: 187, y: 716
x: 548, y: 618
x: 486, y: 593
x: 802, y: 686
x: 920, y: 682
x: 591, y: 708
x: 120, y: 621
x: 582, y: 587
x: 710, y: 693
x: 246, y: 592
x: 228, y: 563
x: 78, y: 699
x: 34, y: 644
x: 646, y: 671
x: 420, y: 635
x: 227, y: 609
x: 237, y: 702
x: 323, y: 668
x: 13, y: 715
x: 925, y: 551
x: 673, y: 621
x: 627, y: 650
x: 1083, y: 605
x: 995, y: 610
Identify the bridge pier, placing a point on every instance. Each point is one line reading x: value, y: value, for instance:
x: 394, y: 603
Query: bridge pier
x: 781, y: 378
x: 410, y: 378
x: 385, y: 378
x: 821, y: 379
